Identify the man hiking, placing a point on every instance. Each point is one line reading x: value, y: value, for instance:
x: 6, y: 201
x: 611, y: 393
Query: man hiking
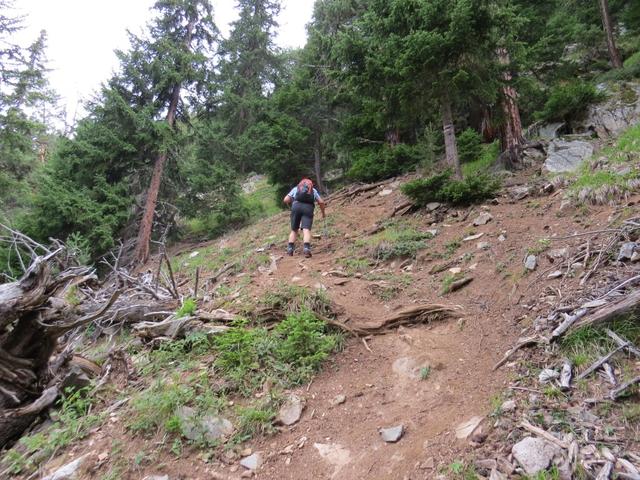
x: 302, y: 199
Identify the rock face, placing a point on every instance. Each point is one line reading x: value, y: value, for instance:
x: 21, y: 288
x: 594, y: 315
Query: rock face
x: 615, y: 115
x: 210, y: 428
x: 548, y: 131
x: 392, y: 434
x: 534, y: 454
x: 567, y: 156
x: 291, y: 411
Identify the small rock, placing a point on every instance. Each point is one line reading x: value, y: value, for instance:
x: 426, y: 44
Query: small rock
x: 482, y: 219
x: 548, y: 375
x: 519, y: 192
x: 508, y: 406
x: 558, y: 253
x: 635, y: 257
x: 295, y: 279
x: 433, y: 206
x: 497, y: 475
x: 156, y: 477
x: 455, y: 270
x: 466, y: 429
x: 565, y: 205
x: 433, y: 232
x: 288, y: 450
x: 385, y: 192
x: 338, y: 400
x: 392, y: 434
x: 556, y: 274
x: 627, y: 251
x: 194, y: 254
x: 575, y: 267
x: 252, y: 462
x: 483, y: 246
x: 534, y: 454
x: 246, y: 452
x: 247, y: 474
x: 67, y: 471
x: 531, y: 262
x: 473, y: 266
x: 502, y: 238
x: 291, y: 411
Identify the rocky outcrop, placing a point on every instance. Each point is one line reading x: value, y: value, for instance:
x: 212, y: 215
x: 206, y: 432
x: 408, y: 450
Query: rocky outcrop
x: 567, y: 156
x: 620, y: 111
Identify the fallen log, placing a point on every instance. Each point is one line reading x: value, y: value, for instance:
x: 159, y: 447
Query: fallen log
x: 621, y: 389
x: 630, y: 305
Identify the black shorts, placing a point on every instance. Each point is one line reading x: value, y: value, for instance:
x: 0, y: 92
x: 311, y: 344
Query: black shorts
x: 301, y: 215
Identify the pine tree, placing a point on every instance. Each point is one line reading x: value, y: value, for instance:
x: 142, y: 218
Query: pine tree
x: 173, y: 58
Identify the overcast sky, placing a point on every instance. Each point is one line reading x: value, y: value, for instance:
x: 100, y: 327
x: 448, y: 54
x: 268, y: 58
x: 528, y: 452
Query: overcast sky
x: 82, y: 35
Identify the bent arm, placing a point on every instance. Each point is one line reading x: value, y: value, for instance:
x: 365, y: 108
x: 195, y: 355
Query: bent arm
x: 287, y: 199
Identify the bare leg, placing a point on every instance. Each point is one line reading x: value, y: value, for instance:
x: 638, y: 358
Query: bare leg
x: 306, y: 236
x: 292, y: 236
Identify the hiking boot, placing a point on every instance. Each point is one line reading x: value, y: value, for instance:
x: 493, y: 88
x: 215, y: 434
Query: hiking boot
x: 290, y: 251
x: 307, y: 253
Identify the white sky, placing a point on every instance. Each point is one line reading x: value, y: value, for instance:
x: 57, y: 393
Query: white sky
x: 82, y: 35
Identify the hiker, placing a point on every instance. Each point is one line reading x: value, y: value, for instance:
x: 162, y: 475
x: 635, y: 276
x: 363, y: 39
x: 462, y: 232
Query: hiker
x: 302, y: 199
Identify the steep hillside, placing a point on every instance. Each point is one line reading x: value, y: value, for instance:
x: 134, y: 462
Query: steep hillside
x: 368, y: 264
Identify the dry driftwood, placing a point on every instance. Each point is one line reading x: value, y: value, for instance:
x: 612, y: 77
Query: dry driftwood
x: 621, y: 341
x: 598, y: 363
x: 629, y: 305
x: 566, y: 375
x: 622, y: 388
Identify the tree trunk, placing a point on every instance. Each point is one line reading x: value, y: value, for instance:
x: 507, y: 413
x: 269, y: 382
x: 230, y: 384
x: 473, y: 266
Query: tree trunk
x: 616, y: 62
x: 512, y: 136
x: 141, y: 253
x: 450, y: 148
x: 392, y: 136
x: 317, y: 157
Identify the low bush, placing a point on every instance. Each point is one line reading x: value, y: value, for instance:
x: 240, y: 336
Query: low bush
x: 442, y: 188
x: 569, y: 101
x: 469, y: 145
x: 376, y: 163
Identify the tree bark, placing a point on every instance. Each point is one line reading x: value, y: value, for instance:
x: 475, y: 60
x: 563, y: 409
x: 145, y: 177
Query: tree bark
x: 451, y: 150
x: 141, y: 253
x: 512, y: 137
x: 317, y: 157
x: 616, y: 62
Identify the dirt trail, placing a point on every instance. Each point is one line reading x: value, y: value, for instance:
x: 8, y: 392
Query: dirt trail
x: 383, y: 387
x: 388, y: 385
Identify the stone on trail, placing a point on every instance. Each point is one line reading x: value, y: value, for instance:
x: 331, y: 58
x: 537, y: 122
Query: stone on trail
x: 252, y: 462
x: 531, y: 262
x: 466, y: 429
x: 432, y: 206
x: 502, y: 238
x: 338, y: 400
x: 482, y: 219
x: 627, y: 251
x: 392, y: 434
x: 555, y: 274
x: 567, y: 156
x: 291, y: 411
x: 508, y: 406
x: 635, y: 257
x: 385, y: 192
x: 534, y: 454
x: 210, y: 428
x: 483, y: 245
x: 68, y: 471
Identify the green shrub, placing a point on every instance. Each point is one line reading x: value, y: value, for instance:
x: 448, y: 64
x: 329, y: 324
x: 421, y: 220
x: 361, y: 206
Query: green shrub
x: 442, y: 188
x: 375, y: 163
x: 569, y: 101
x: 187, y: 309
x: 469, y: 145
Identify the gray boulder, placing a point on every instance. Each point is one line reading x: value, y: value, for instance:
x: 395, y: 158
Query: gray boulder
x: 291, y: 411
x: 534, y: 454
x: 620, y: 111
x: 567, y: 156
x: 392, y: 434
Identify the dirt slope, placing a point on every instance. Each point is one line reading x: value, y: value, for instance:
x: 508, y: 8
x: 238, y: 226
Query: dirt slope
x: 384, y: 384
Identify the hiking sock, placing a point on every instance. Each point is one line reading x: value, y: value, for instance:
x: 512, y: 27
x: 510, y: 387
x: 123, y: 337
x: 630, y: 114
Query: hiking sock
x: 307, y: 246
x: 290, y: 248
